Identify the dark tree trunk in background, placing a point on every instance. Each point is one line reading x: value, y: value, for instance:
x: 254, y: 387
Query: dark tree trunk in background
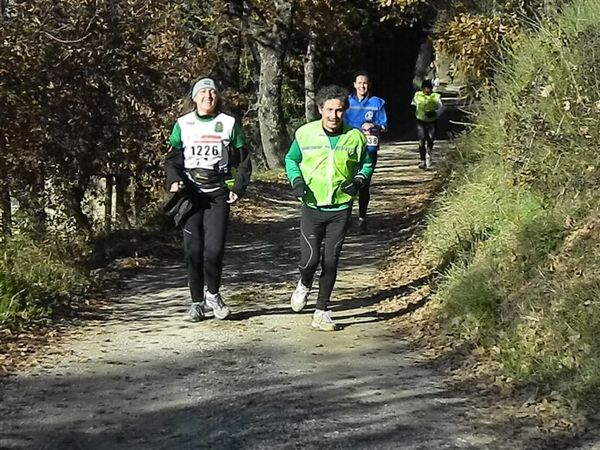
x: 5, y: 203
x: 74, y: 200
x: 5, y: 206
x: 426, y: 55
x: 3, y: 9
x: 122, y: 200
x: 230, y: 46
x: 310, y: 104
x: 141, y: 198
x: 108, y: 203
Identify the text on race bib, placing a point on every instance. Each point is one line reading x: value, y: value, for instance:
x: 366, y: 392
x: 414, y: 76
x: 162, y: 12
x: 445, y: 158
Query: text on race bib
x: 372, y: 140
x: 207, y: 150
x: 204, y: 155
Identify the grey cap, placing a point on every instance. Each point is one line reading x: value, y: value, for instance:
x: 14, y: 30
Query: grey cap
x: 204, y: 83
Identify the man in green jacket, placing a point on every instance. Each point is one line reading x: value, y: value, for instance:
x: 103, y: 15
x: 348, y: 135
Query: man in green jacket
x: 428, y: 108
x: 327, y: 164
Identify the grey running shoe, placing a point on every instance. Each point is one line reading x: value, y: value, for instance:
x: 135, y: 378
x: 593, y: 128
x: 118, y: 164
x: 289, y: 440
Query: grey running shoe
x: 362, y: 225
x: 298, y: 300
x: 197, y: 312
x: 216, y: 303
x: 322, y: 321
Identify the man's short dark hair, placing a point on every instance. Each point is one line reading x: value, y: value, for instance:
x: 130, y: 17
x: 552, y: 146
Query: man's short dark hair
x: 360, y: 73
x: 426, y: 84
x: 332, y: 92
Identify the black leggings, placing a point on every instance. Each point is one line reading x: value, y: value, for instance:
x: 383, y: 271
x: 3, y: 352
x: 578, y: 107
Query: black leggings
x: 426, y: 132
x: 316, y: 228
x: 364, y: 195
x: 204, y: 242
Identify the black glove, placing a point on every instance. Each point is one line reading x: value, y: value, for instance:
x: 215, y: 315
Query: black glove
x: 431, y: 114
x: 351, y: 187
x: 299, y: 188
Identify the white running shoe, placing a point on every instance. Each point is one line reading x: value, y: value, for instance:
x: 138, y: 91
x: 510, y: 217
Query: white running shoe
x: 216, y: 303
x: 322, y: 321
x: 298, y: 300
x: 428, y: 160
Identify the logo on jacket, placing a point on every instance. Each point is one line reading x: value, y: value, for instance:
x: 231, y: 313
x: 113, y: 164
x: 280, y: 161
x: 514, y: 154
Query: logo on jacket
x: 369, y: 115
x: 219, y: 127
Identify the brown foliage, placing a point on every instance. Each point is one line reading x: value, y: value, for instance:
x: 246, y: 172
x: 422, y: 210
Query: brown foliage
x: 85, y: 87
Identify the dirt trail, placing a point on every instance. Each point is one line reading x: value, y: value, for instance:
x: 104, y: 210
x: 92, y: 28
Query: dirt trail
x: 261, y: 380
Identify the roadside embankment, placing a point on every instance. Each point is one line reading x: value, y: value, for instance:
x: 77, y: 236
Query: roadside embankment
x: 512, y: 250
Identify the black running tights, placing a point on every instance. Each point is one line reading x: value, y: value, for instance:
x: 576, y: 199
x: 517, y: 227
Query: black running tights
x: 327, y: 228
x: 204, y: 242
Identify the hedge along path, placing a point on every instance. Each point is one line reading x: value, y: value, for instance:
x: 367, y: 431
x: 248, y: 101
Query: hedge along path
x: 142, y: 378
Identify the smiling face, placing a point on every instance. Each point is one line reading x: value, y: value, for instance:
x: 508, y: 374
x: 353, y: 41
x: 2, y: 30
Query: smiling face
x: 361, y: 85
x: 332, y: 114
x: 206, y: 101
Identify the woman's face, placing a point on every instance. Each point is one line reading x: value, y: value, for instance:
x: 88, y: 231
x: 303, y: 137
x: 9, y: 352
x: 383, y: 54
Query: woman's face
x: 206, y: 101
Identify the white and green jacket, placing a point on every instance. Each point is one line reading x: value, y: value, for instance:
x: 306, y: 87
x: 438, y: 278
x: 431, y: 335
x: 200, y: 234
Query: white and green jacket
x: 211, y: 146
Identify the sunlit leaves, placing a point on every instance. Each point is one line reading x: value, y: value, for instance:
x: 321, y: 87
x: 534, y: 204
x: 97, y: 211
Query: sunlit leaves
x: 474, y: 40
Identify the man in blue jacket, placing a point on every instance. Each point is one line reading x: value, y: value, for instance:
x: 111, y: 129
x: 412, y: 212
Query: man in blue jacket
x: 367, y: 113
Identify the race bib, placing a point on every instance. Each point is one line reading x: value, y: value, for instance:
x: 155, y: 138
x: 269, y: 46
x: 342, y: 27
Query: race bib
x: 203, y: 155
x: 372, y: 140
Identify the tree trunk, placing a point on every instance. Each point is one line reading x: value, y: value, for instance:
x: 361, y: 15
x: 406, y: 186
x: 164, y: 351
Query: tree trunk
x: 310, y: 104
x: 426, y: 55
x: 141, y: 198
x: 122, y: 200
x: 6, y: 207
x: 270, y: 40
x: 5, y: 201
x: 3, y: 9
x: 230, y: 46
x: 74, y: 199
x: 108, y: 206
x: 270, y: 113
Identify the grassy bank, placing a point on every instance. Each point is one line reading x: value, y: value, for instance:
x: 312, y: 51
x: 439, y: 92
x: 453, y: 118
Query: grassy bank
x: 36, y: 279
x: 517, y: 234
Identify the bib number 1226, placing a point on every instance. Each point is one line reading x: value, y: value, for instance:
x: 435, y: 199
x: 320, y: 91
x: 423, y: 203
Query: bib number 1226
x: 206, y: 150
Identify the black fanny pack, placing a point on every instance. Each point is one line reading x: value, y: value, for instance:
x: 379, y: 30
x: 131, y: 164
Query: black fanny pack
x: 206, y: 177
